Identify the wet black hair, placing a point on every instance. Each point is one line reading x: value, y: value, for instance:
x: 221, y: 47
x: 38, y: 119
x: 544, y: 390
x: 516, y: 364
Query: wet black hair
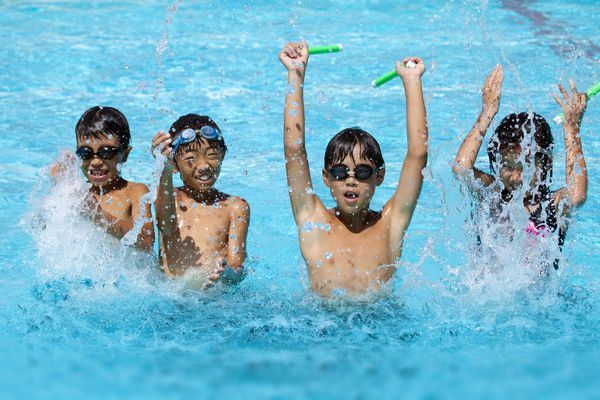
x: 525, y: 126
x: 195, y: 121
x: 342, y: 144
x: 103, y: 121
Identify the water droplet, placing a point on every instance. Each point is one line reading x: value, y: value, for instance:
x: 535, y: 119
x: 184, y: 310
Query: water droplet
x: 298, y: 141
x: 290, y: 189
x: 290, y: 89
x: 309, y: 190
x: 328, y: 255
x: 322, y: 97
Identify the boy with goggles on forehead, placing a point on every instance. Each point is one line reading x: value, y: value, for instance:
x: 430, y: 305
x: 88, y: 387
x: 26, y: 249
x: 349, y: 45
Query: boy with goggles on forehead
x: 351, y: 249
x: 202, y: 230
x: 102, y: 145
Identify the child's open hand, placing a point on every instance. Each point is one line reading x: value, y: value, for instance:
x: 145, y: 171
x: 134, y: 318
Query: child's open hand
x: 217, y: 272
x: 62, y: 165
x: 410, y: 67
x: 294, y: 56
x: 162, y: 140
x: 491, y: 91
x: 573, y: 106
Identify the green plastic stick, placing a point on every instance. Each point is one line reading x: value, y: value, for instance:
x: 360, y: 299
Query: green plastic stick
x: 334, y: 48
x: 591, y: 92
x: 385, y: 78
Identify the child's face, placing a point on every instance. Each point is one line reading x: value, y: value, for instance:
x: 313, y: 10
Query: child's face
x: 100, y: 158
x: 199, y: 165
x: 353, y: 194
x: 511, y: 169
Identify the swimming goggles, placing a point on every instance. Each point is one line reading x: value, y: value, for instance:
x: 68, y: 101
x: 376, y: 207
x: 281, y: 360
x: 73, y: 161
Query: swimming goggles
x: 362, y: 172
x: 105, y: 152
x: 189, y: 135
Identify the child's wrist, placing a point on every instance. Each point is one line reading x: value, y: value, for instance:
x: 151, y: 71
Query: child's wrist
x: 295, y: 74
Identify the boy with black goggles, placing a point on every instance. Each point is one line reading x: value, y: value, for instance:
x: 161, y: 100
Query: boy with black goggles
x: 351, y: 249
x: 112, y: 202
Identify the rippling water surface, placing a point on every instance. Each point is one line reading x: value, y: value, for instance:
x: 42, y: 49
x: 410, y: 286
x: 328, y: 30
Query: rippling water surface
x: 83, y: 316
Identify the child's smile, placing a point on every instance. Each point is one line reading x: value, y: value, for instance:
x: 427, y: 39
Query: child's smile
x: 199, y: 165
x: 100, y: 158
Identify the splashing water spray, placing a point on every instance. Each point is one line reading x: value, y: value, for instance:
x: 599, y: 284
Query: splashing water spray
x: 385, y: 78
x: 591, y: 92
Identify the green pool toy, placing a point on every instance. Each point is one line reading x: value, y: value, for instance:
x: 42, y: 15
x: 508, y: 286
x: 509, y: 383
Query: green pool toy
x: 390, y: 75
x: 333, y: 48
x: 591, y: 92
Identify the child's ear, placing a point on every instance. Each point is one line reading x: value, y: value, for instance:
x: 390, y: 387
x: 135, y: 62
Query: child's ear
x: 325, y: 177
x: 125, y: 154
x: 379, y: 176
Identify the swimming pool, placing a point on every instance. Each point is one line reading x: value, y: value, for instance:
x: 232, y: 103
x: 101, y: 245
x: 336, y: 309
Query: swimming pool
x: 81, y: 320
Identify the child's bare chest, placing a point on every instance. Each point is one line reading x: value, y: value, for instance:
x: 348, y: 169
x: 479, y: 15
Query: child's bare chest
x: 117, y: 204
x: 337, y: 247
x: 207, y: 225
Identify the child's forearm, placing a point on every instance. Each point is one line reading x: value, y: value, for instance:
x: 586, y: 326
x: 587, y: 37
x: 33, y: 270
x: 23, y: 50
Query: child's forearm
x: 294, y: 114
x: 114, y: 226
x: 467, y: 153
x: 576, y: 170
x: 166, y: 211
x: 416, y: 118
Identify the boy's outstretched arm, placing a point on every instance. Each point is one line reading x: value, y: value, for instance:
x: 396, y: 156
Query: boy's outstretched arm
x: 411, y: 176
x: 467, y: 153
x: 166, y: 211
x: 573, y: 107
x: 294, y: 56
x: 145, y: 239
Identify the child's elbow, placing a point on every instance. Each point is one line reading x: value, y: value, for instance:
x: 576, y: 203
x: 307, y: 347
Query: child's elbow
x: 458, y: 169
x: 578, y: 199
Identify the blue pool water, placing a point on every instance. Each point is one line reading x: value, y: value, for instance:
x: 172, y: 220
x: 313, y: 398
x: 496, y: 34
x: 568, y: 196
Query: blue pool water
x: 81, y: 316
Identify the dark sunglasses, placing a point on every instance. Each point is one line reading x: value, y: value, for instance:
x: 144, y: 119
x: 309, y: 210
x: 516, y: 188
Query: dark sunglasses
x: 362, y: 172
x: 104, y: 152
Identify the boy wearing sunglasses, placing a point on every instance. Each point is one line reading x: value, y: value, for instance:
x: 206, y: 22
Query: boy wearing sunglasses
x: 103, y: 138
x: 202, y: 230
x: 351, y: 249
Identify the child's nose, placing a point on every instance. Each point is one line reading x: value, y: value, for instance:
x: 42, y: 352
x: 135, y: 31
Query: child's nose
x: 351, y: 179
x: 96, y: 160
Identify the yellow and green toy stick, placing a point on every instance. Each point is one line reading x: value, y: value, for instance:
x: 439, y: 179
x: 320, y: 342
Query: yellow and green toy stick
x: 390, y: 75
x: 591, y: 92
x: 334, y: 48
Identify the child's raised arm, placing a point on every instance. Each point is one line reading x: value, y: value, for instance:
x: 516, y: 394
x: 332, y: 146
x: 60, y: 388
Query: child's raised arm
x: 467, y: 153
x: 166, y: 212
x: 411, y: 176
x: 573, y: 107
x: 294, y: 57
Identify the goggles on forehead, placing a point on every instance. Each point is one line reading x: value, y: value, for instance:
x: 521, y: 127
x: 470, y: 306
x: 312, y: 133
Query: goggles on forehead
x: 189, y: 135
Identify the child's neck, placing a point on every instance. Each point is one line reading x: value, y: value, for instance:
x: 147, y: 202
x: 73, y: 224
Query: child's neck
x: 113, y: 184
x: 209, y: 196
x: 359, y: 221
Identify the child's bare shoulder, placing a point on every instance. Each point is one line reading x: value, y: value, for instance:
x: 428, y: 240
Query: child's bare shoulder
x: 135, y: 190
x: 237, y: 204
